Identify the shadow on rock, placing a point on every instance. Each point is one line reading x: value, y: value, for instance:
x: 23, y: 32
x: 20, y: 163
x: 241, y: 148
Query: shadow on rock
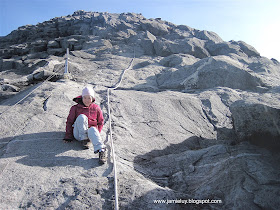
x: 47, y: 149
x: 241, y: 175
x: 257, y: 123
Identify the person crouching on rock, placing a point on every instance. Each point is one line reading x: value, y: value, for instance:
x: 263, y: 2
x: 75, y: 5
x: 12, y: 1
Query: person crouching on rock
x: 85, y: 122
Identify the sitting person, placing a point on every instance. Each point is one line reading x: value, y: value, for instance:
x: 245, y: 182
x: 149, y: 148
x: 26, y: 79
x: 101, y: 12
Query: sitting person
x: 85, y: 122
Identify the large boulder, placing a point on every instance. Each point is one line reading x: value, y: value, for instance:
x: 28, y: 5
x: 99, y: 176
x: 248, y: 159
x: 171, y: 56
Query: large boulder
x: 12, y: 63
x: 177, y: 60
x: 73, y: 42
x: 191, y: 46
x: 20, y: 49
x: 257, y: 122
x: 222, y: 48
x: 218, y: 71
x: 216, y: 47
x: 147, y: 43
x: 247, y: 49
x: 38, y: 46
x: 221, y: 71
x: 157, y: 28
x: 11, y: 88
x: 208, y: 35
x: 7, y: 64
x: 53, y: 44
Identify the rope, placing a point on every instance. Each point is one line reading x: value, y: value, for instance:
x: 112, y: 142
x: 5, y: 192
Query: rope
x: 111, y: 135
x: 50, y: 77
x: 110, y: 121
x: 9, y: 108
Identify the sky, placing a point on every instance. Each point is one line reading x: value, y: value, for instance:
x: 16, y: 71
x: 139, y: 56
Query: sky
x: 257, y: 22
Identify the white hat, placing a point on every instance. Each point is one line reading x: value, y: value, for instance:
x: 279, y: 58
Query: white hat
x: 88, y: 91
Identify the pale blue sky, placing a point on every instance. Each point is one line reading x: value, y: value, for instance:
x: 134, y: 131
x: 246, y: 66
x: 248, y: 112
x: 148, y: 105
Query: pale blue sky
x: 256, y: 22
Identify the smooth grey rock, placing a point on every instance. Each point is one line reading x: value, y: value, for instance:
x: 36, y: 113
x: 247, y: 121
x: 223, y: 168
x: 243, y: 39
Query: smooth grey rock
x: 275, y: 61
x: 191, y: 46
x: 20, y: 49
x: 208, y: 35
x: 53, y: 44
x: 12, y: 63
x: 56, y: 51
x: 5, y: 95
x: 224, y: 48
x: 221, y: 72
x: 215, y: 167
x: 147, y: 43
x: 8, y: 64
x: 68, y: 43
x: 155, y: 27
x: 184, y: 27
x: 178, y: 60
x: 6, y: 53
x: 264, y: 65
x: 11, y: 88
x: 42, y: 75
x: 95, y: 45
x: 258, y: 123
x: 38, y: 46
x: 82, y: 54
x: 40, y: 55
x: 218, y: 71
x: 247, y: 49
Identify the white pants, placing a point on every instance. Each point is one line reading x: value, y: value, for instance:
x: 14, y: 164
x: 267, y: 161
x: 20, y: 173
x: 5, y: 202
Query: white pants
x: 82, y: 132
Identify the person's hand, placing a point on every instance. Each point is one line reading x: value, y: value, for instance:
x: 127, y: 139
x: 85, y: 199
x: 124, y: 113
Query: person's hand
x: 67, y: 140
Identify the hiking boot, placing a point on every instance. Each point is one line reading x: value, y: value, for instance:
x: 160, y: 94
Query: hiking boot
x: 102, y: 157
x: 86, y: 143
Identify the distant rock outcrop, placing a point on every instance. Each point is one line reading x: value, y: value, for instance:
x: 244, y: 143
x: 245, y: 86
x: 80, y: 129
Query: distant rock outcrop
x: 195, y: 117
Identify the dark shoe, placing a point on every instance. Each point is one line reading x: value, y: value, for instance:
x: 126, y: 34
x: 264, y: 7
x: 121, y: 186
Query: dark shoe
x: 85, y: 144
x: 67, y: 140
x: 102, y: 157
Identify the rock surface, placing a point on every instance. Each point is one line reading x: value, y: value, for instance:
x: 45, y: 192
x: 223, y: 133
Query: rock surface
x: 194, y: 118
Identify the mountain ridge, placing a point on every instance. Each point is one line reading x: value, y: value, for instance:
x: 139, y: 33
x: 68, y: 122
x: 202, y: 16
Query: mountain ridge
x: 117, y: 25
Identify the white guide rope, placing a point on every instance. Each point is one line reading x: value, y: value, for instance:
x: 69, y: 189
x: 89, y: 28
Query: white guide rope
x: 110, y: 120
x: 111, y: 137
x: 50, y: 77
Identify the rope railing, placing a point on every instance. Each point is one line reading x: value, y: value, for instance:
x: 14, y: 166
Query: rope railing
x: 110, y: 120
x: 47, y: 79
x: 111, y: 134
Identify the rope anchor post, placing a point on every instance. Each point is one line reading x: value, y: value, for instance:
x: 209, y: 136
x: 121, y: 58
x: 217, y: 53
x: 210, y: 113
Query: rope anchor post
x: 67, y: 74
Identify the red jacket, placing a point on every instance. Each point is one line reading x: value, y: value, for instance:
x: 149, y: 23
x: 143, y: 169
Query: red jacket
x: 93, y: 112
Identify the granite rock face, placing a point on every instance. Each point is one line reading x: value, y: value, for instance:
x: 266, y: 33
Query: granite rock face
x: 195, y: 118
x: 257, y: 121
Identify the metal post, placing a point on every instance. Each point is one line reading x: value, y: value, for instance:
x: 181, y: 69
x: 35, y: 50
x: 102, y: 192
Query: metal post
x: 66, y: 62
x: 66, y: 75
